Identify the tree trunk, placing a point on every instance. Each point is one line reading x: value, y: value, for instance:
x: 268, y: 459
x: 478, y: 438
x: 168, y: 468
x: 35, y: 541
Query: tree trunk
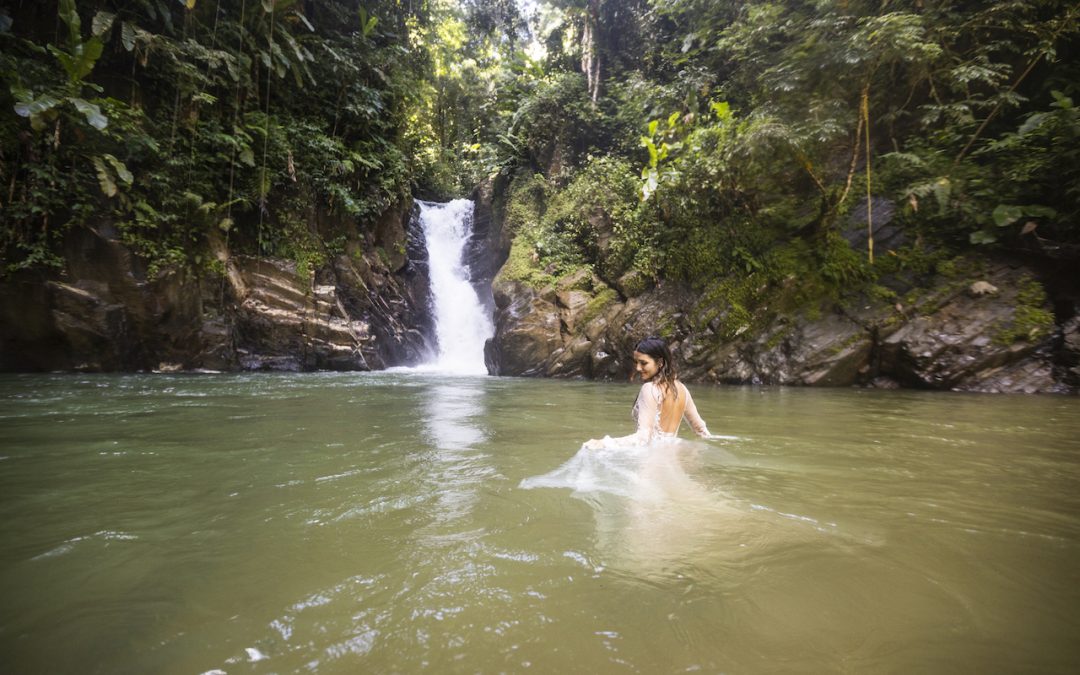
x: 590, y: 53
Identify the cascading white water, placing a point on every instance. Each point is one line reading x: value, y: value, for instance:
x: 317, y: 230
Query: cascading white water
x: 462, y: 324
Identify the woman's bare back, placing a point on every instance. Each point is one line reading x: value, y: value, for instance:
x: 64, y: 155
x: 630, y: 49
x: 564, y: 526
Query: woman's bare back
x: 672, y: 406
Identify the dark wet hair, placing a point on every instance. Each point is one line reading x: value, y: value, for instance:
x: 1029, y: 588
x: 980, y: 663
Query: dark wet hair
x: 658, y: 349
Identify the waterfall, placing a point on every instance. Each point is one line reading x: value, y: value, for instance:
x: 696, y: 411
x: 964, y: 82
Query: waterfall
x: 462, y: 324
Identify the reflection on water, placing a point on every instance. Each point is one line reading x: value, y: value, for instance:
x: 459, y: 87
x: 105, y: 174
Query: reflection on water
x: 453, y: 413
x: 342, y: 523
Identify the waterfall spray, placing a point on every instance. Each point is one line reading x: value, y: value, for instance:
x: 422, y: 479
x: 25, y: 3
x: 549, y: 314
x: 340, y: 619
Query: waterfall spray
x: 462, y: 324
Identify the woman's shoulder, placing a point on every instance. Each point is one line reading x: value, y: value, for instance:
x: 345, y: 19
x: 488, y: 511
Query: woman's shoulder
x: 650, y: 389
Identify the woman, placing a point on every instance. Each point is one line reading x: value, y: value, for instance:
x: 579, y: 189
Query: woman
x: 661, y: 404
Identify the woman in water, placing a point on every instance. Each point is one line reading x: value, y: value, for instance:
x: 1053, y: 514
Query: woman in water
x: 661, y: 404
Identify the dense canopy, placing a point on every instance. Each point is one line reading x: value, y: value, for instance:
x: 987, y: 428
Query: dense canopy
x: 678, y: 139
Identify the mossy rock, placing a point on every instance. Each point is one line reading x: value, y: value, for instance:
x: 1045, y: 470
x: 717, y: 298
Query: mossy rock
x: 580, y: 279
x: 633, y: 284
x: 599, y: 303
x: 1032, y: 321
x: 523, y: 266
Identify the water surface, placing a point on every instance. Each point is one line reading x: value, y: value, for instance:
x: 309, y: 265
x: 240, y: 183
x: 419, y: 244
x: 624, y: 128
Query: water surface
x: 376, y: 523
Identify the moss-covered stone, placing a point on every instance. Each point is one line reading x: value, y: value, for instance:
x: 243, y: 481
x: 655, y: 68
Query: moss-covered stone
x: 522, y: 265
x: 634, y: 283
x: 1031, y: 320
x: 579, y: 279
x: 526, y: 203
x: 600, y: 302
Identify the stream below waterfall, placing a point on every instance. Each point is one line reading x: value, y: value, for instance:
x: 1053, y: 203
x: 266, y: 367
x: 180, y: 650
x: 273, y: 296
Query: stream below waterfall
x: 376, y: 522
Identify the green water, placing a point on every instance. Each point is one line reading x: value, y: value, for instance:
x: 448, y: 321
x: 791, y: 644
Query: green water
x: 347, y: 523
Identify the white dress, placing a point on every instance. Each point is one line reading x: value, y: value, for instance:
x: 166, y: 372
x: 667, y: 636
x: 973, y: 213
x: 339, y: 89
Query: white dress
x: 647, y: 414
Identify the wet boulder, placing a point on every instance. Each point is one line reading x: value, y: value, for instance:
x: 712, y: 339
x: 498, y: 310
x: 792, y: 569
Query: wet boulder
x: 527, y: 329
x: 959, y: 339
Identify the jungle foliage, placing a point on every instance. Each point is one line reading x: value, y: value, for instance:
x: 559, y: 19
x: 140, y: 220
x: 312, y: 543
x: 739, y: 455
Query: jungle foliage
x: 267, y: 122
x: 686, y: 139
x: 765, y: 134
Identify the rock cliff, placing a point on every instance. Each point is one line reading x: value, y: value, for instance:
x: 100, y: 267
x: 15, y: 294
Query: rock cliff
x: 987, y: 326
x: 363, y: 309
x: 955, y: 336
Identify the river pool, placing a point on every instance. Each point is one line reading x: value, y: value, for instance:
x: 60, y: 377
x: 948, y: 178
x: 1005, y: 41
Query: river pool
x: 377, y: 522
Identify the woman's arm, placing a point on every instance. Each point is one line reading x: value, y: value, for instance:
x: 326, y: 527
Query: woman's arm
x: 647, y: 405
x: 692, y: 416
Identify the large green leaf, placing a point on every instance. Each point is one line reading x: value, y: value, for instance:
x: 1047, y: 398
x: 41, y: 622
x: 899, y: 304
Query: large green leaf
x: 92, y: 113
x: 120, y: 168
x: 103, y: 21
x: 65, y: 59
x: 36, y: 106
x: 70, y: 16
x: 127, y: 35
x: 105, y: 179
x: 82, y: 58
x: 87, y: 55
x: 651, y: 147
x: 1006, y: 214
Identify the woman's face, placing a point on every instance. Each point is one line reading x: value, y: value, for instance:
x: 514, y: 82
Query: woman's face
x: 645, y: 366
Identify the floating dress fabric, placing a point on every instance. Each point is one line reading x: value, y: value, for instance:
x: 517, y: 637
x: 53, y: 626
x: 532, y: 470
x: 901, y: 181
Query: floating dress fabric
x: 615, y: 467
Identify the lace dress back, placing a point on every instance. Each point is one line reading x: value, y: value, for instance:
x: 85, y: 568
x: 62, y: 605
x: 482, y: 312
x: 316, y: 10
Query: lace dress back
x: 658, y: 416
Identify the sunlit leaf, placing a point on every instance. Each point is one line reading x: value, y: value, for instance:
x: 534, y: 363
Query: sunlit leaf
x: 36, y: 106
x: 1032, y: 123
x: 369, y: 26
x: 305, y: 22
x: 722, y: 110
x: 102, y: 22
x: 127, y: 35
x: 105, y: 179
x: 120, y: 168
x: 92, y: 113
